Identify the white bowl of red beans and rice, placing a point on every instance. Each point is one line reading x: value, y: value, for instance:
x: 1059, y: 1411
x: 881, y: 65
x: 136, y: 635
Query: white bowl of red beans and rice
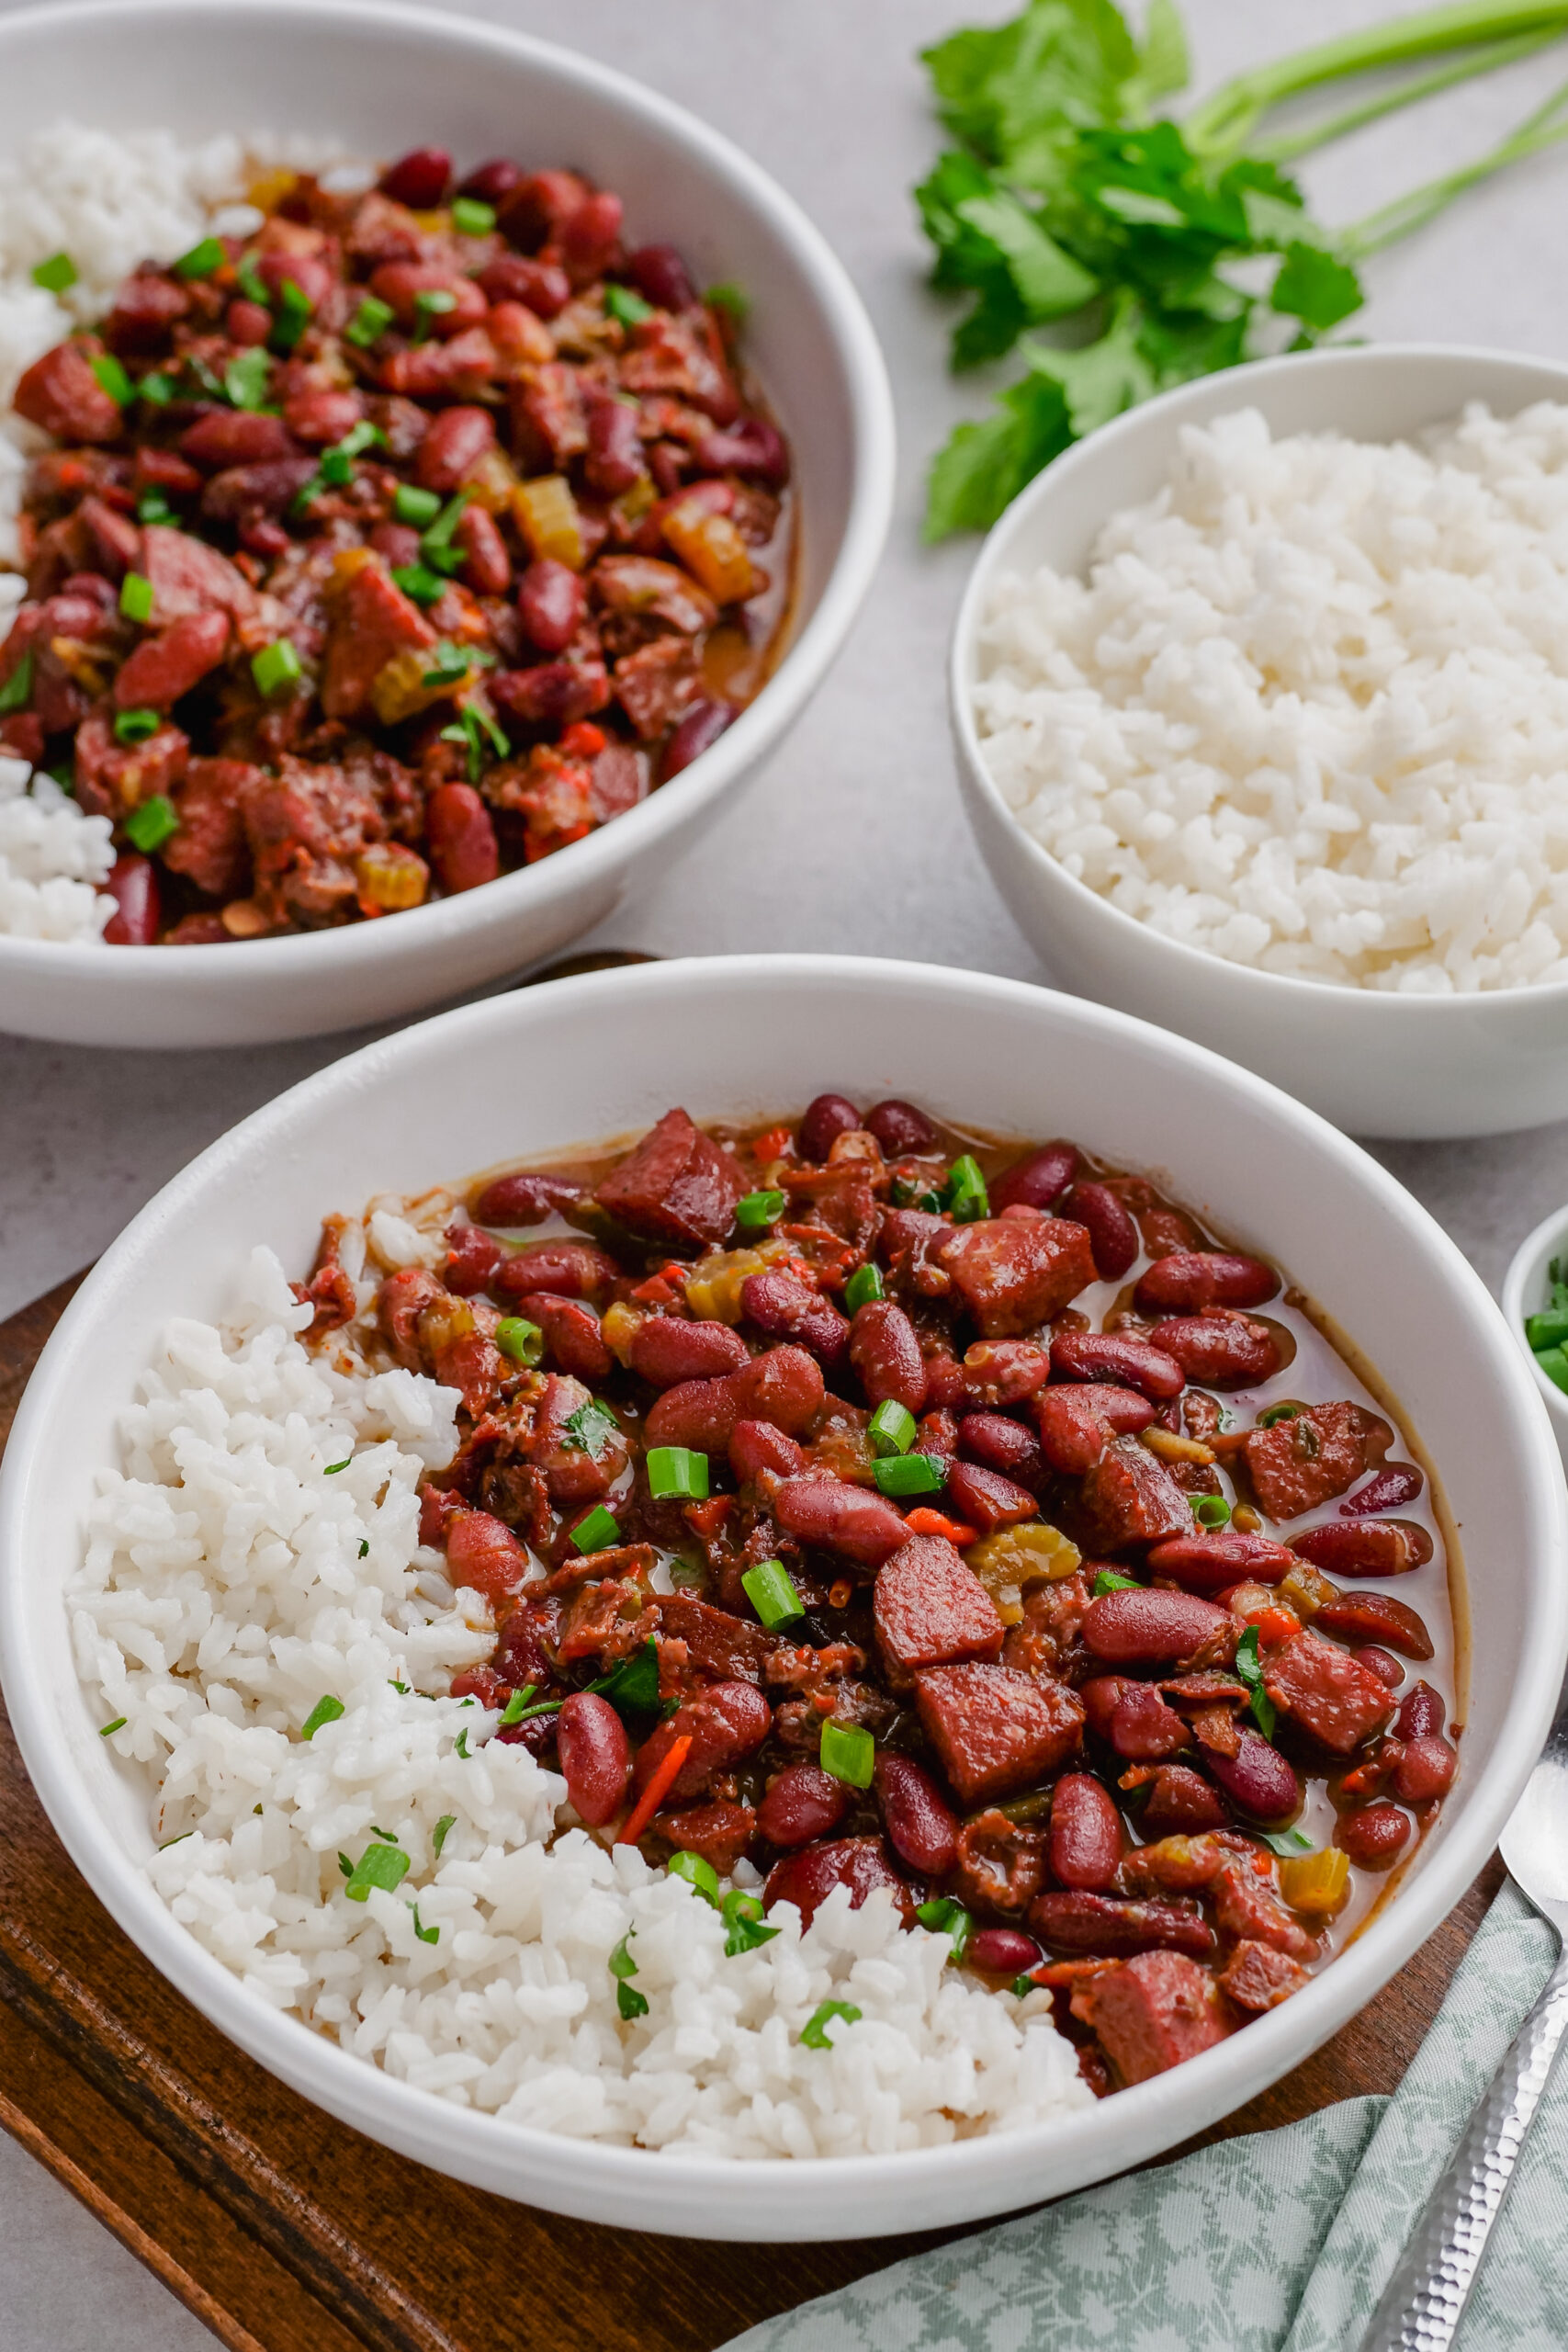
x: 375, y: 85
x: 743, y: 1041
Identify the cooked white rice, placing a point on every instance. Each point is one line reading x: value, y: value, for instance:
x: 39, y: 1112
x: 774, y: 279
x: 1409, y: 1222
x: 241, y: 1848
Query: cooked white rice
x: 1310, y: 711
x: 224, y: 1594
x: 109, y: 200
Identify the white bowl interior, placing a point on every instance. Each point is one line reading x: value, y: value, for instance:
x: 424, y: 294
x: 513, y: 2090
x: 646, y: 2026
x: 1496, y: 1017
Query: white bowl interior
x: 380, y: 81
x: 1524, y: 1287
x: 591, y: 1058
x: 1377, y: 1064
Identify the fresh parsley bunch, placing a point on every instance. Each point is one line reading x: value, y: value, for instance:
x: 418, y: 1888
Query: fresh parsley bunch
x: 1169, y: 250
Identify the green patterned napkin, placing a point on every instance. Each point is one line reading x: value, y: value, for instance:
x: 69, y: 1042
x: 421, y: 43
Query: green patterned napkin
x: 1277, y: 2242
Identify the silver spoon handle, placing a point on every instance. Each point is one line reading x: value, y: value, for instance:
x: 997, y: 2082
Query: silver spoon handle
x: 1423, y: 2302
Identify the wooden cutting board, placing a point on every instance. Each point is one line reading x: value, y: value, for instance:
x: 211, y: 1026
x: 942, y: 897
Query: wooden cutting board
x: 287, y: 2232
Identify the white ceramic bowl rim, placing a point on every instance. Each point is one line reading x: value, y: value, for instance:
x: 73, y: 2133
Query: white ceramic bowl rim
x: 1549, y: 1238
x: 807, y: 655
x: 1286, y: 987
x: 1158, y: 2112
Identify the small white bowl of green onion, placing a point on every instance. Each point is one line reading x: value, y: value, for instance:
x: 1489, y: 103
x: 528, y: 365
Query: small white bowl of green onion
x: 1535, y: 1301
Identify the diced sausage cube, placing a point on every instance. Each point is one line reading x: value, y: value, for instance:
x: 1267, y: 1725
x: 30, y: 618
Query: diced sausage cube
x: 1151, y: 2013
x: 372, y: 622
x: 188, y: 576
x: 60, y: 393
x: 1129, y: 1497
x: 1256, y: 1977
x: 210, y: 846
x: 1329, y: 1692
x: 719, y: 1831
x: 1313, y: 1457
x: 996, y: 1730
x: 677, y: 1187
x: 729, y: 1649
x: 1014, y: 1274
x: 932, y: 1610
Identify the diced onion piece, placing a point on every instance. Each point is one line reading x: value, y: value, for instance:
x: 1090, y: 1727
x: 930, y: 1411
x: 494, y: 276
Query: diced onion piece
x: 390, y: 877
x: 491, y: 482
x: 714, y: 1285
x: 547, y: 519
x: 1305, y: 1590
x: 1316, y: 1884
x: 711, y: 549
x: 1013, y: 1558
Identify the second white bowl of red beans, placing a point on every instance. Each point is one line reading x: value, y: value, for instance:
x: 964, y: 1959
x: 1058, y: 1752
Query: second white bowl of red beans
x: 528, y: 1076
x: 382, y: 81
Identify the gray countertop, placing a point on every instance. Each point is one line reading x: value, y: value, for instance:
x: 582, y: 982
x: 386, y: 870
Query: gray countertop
x: 852, y: 839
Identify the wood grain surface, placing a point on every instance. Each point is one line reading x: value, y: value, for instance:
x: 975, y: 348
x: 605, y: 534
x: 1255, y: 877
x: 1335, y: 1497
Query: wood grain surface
x: 287, y: 2232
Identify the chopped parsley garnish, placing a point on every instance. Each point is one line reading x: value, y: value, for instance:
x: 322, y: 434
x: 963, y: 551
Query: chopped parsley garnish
x: 462, y: 1743
x: 743, y: 1918
x: 18, y: 687
x: 370, y: 321
x: 426, y: 1935
x: 56, y: 274
x: 326, y: 1711
x: 1112, y: 1581
x: 334, y: 1467
x: 248, y: 378
x: 448, y: 1822
x: 293, y: 315
x: 633, y: 1689
x: 1287, y: 1843
x: 471, y: 727
x: 365, y: 1548
x: 589, y: 1430
x: 382, y: 1865
x: 621, y: 1964
x: 1250, y: 1670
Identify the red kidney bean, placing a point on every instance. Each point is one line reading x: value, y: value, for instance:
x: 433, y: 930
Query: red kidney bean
x: 1073, y: 1435
x: 1374, y: 1837
x: 848, y: 1520
x: 1004, y: 1372
x: 697, y: 733
x: 1103, y: 1923
x: 1181, y: 1803
x: 457, y: 438
x: 1221, y: 1348
x: 133, y: 885
x: 1365, y: 1547
x: 519, y: 1653
x: 698, y: 1414
x: 595, y: 1758
x: 573, y: 1341
x: 661, y: 278
x: 227, y: 437
x: 1426, y: 1769
x: 569, y: 1268
x: 1002, y: 1951
x: 542, y: 286
x: 899, y: 1129
x: 1257, y: 1779
x: 1037, y: 1181
x: 247, y: 324
x: 461, y: 838
x: 472, y: 1257
x: 1211, y: 1563
x: 419, y: 179
x: 589, y: 238
x: 997, y: 1444
x: 827, y: 1118
x: 163, y: 668
x: 490, y: 182
x: 756, y: 1446
x: 524, y: 1199
x: 984, y: 1498
x: 801, y: 1802
x: 1118, y: 1356
x: 1086, y: 1840
x: 921, y: 1827
x: 1142, y: 1727
x: 480, y: 1682
x: 322, y: 413
x: 785, y: 1308
x: 752, y: 446
x: 482, y: 1551
x: 784, y: 1385
x: 396, y: 542
x: 487, y: 567
x: 1422, y: 1711
x: 1396, y: 1483
x: 615, y: 445
x: 1187, y: 1280
x: 886, y: 1355
x: 1113, y: 1236
x: 666, y: 1349
x: 1379, y: 1662
x: 1147, y: 1628
x: 1375, y: 1617
x: 552, y: 601
x: 807, y: 1877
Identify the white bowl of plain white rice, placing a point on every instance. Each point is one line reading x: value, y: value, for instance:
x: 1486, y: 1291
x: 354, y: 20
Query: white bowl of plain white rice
x: 177, y: 1550
x: 1260, y: 697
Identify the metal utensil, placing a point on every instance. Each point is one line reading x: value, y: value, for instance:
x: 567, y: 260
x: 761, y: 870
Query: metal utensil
x: 1423, y: 2303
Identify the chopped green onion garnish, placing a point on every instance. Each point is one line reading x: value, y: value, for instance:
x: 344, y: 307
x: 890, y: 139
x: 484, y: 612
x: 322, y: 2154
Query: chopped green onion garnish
x: 113, y: 379
x: 383, y: 1866
x: 730, y: 299
x: 337, y: 463
x: 153, y: 823
x: 1553, y: 1362
x: 136, y: 598
x: 1209, y: 1510
x: 814, y: 2032
x: 334, y: 1467
x: 135, y: 725
x: 620, y: 303
x: 891, y: 1428
x: 416, y: 581
x: 743, y: 1917
x: 472, y: 219
x: 120, y: 1721
x: 370, y: 321
x: 621, y: 1965
x: 431, y: 302
x: 293, y: 316
x: 250, y: 282
x: 56, y: 274
x: 1285, y: 1842
x: 1276, y: 1413
x: 517, y: 1337
x: 426, y: 1935
x: 597, y: 1533
x: 943, y: 1916
x: 965, y: 1192
x: 769, y: 1588
x: 14, y: 694
x: 202, y: 260
x: 461, y: 1743
x: 156, y: 388
x: 863, y: 1287
x: 910, y: 1473
x: 1549, y: 1329
x: 155, y: 508
x: 677, y: 1475
x: 589, y: 1430
x: 412, y: 504
x: 755, y: 1210
x: 247, y: 379
x: 471, y: 728
x: 450, y: 664
x: 1112, y: 1581
x: 698, y: 1874
x: 438, y: 539
x: 325, y: 1711
x: 389, y: 1835
x: 849, y: 1752
x: 181, y: 1838
x: 516, y: 1706
x: 1248, y: 1670
x: 345, y: 1865
x: 276, y: 666
x: 449, y: 1821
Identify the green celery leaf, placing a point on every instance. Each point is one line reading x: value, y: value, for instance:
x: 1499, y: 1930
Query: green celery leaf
x: 984, y: 466
x: 1101, y: 378
x: 1014, y: 92
x: 1316, y: 287
x: 1048, y: 282
x: 1164, y: 65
